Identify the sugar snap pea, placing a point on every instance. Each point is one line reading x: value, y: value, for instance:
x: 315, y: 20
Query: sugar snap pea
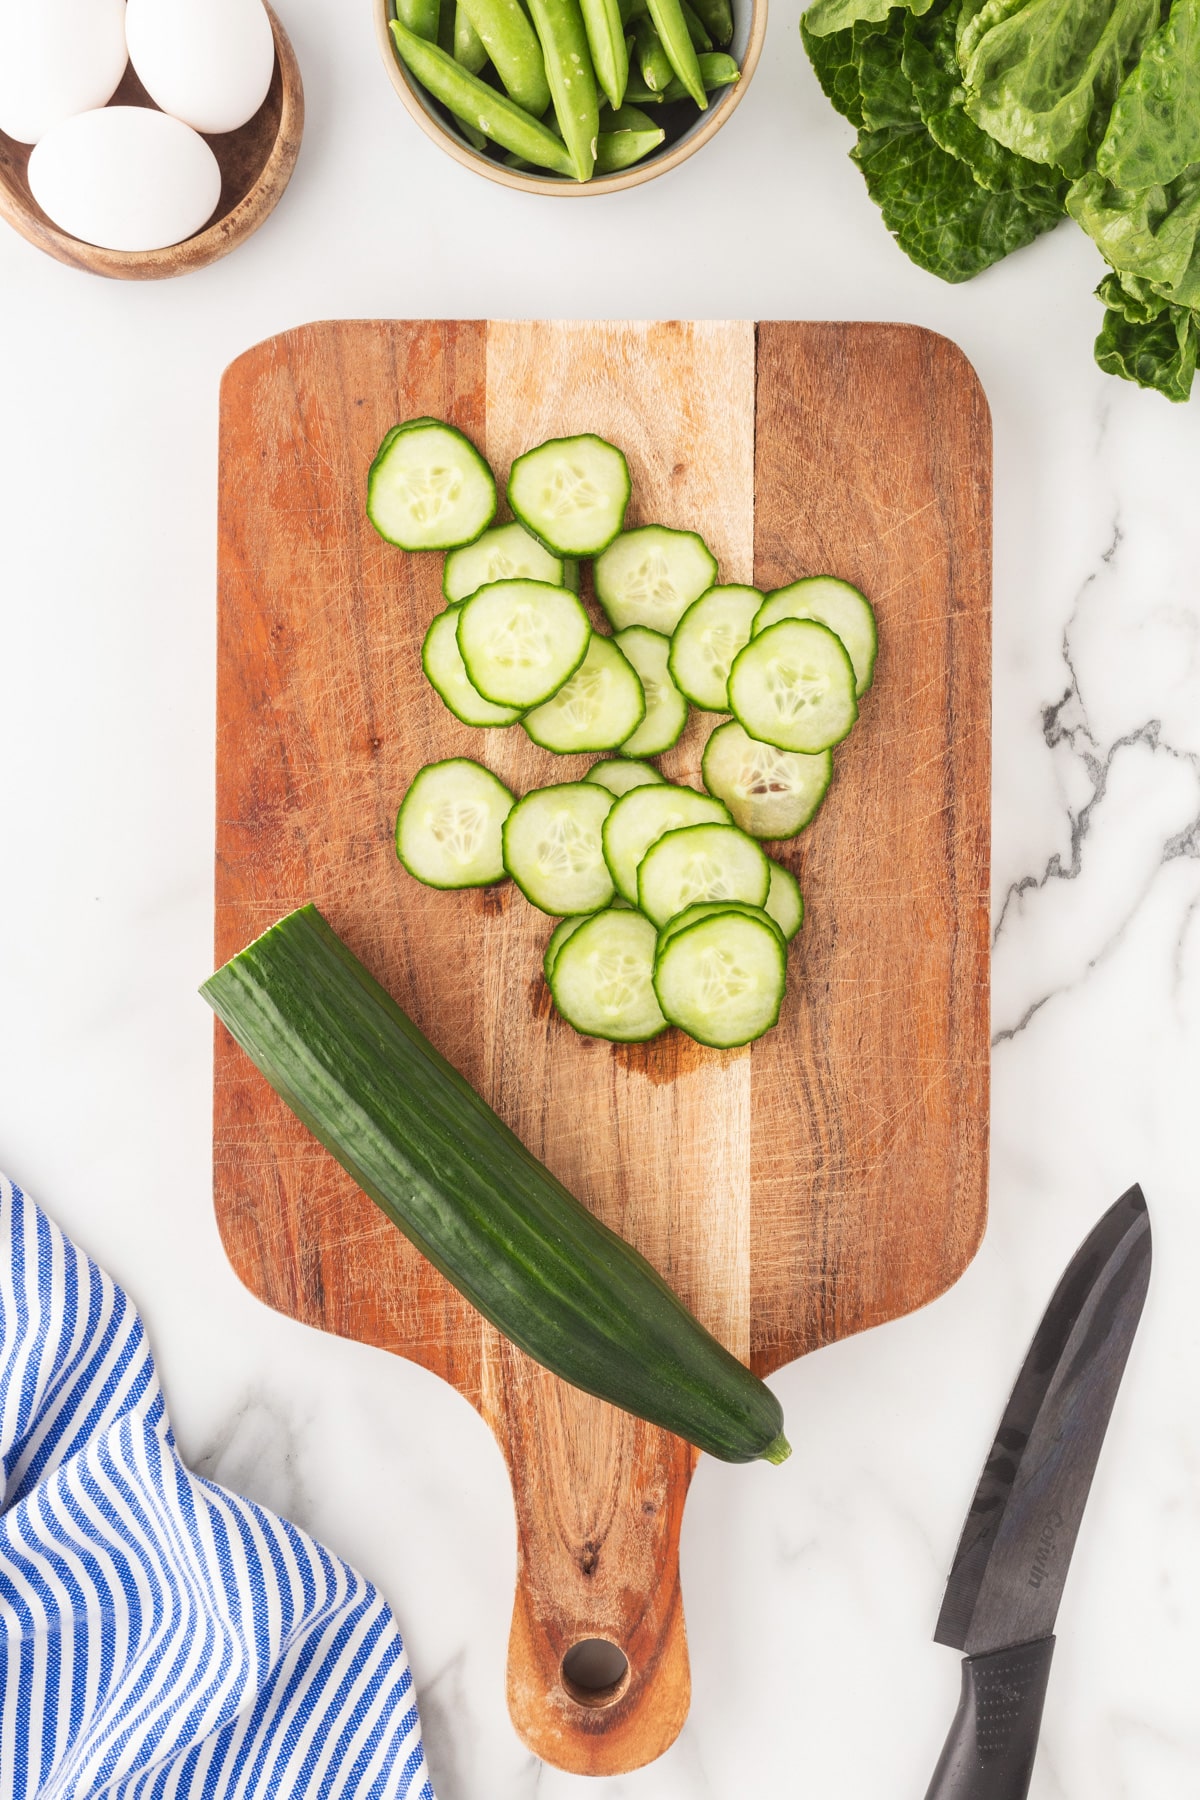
x: 626, y: 118
x: 420, y: 16
x: 559, y: 24
x: 639, y: 94
x: 621, y: 149
x: 509, y: 39
x: 695, y: 24
x: 717, y: 17
x: 469, y: 48
x: 654, y: 65
x: 606, y: 40
x: 472, y: 133
x: 468, y: 98
x: 717, y: 69
x: 672, y: 31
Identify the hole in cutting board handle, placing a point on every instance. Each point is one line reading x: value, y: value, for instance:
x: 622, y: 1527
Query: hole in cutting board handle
x: 595, y: 1672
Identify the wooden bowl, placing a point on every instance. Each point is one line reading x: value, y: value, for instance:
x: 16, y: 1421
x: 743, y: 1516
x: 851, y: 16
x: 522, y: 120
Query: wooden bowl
x: 256, y: 165
x: 749, y: 30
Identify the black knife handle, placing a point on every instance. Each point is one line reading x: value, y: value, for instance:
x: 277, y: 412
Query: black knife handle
x: 993, y: 1740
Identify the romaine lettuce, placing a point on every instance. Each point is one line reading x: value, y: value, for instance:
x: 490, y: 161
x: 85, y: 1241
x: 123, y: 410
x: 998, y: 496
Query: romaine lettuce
x: 836, y: 67
x: 940, y: 215
x: 1042, y: 75
x: 1151, y: 232
x: 950, y: 216
x: 1147, y: 339
x: 827, y: 16
x: 1154, y: 131
x: 981, y: 121
x: 889, y: 102
x: 931, y: 65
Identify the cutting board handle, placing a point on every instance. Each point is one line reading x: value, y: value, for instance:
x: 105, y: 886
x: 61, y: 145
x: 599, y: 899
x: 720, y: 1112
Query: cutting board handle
x: 599, y: 1502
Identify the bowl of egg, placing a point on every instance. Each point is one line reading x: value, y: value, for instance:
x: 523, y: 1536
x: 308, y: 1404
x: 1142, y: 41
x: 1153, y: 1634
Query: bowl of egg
x: 143, y: 138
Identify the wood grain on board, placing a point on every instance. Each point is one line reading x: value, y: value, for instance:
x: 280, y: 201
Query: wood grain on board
x: 870, y: 1110
x: 829, y: 1178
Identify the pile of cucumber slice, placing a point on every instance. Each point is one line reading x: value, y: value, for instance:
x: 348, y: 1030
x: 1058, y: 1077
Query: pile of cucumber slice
x: 671, y: 911
x: 561, y: 85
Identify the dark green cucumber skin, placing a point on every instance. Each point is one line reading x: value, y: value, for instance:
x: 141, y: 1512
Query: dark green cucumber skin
x: 433, y: 1155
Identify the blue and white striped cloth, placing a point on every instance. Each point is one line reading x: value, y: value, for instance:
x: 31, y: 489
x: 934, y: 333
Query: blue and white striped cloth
x: 161, y: 1639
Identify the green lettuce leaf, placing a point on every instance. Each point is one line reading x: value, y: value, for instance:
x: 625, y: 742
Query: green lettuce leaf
x: 966, y: 27
x: 836, y: 67
x: 826, y: 16
x: 861, y: 71
x: 977, y: 17
x: 931, y: 64
x: 1147, y: 340
x: 939, y: 214
x: 1152, y: 233
x: 945, y: 215
x: 888, y: 99
x: 1154, y: 131
x: 1042, y: 75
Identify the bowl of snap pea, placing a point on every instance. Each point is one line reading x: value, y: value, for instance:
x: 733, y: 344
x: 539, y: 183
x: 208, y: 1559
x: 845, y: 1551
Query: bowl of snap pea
x: 568, y: 97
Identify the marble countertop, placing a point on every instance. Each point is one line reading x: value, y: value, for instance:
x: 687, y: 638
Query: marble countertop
x: 813, y: 1586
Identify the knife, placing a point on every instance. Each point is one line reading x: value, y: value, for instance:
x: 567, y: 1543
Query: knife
x: 1007, y: 1580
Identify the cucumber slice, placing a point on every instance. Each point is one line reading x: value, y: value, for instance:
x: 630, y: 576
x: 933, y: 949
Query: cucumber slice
x: 596, y: 709
x: 603, y: 978
x: 552, y: 847
x: 448, y: 830
x: 640, y: 818
x: 722, y: 979
x: 651, y: 576
x: 847, y: 612
x: 706, y: 640
x: 621, y: 777
x: 666, y: 708
x: 571, y: 493
x: 771, y: 793
x: 504, y: 553
x: 521, y: 640
x: 793, y: 686
x: 557, y: 939
x: 701, y: 862
x: 709, y: 909
x: 785, y: 902
x: 428, y: 487
x: 443, y: 664
x: 562, y: 932
x: 408, y: 425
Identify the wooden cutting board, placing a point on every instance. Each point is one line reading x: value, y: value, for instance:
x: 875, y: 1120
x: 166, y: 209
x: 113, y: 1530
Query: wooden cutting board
x: 829, y: 1178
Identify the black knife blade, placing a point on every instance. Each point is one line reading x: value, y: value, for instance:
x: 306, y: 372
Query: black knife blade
x: 1007, y: 1579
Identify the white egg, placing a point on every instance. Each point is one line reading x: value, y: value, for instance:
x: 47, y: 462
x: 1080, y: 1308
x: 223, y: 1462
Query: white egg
x: 208, y: 62
x: 57, y: 58
x: 126, y: 178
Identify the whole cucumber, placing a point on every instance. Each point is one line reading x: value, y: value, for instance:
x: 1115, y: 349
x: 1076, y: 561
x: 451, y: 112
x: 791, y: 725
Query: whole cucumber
x: 427, y: 1149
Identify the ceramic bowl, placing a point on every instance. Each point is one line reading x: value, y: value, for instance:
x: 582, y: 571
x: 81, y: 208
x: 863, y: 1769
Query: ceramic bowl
x: 749, y: 29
